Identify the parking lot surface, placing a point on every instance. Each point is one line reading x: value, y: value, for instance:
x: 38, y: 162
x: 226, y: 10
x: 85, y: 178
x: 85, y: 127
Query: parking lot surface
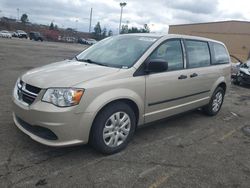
x: 191, y: 150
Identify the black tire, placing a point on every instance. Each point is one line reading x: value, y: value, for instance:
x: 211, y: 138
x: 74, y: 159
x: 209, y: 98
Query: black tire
x: 96, y: 135
x: 209, y: 108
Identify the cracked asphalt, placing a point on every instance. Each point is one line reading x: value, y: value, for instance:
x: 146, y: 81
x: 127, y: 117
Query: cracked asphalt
x: 191, y: 150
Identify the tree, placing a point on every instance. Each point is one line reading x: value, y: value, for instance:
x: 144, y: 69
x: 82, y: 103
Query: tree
x: 24, y: 18
x: 124, y: 29
x: 51, y: 27
x: 104, y: 32
x: 134, y: 30
x: 98, y: 30
x: 110, y: 33
x: 146, y: 29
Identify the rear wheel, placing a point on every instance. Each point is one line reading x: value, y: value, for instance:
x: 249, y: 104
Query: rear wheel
x: 216, y: 102
x: 113, y: 128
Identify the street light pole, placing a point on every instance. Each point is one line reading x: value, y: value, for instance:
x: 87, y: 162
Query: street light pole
x: 76, y: 24
x: 90, y: 19
x: 17, y: 14
x: 121, y: 5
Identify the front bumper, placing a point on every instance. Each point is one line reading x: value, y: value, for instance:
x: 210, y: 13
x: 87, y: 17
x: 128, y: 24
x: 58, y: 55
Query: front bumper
x: 68, y: 126
x: 245, y: 79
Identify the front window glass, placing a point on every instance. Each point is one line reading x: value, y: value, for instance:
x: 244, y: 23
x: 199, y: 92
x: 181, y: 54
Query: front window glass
x: 120, y: 51
x: 171, y: 52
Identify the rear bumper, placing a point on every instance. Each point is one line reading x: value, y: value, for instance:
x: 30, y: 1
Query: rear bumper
x: 52, y: 126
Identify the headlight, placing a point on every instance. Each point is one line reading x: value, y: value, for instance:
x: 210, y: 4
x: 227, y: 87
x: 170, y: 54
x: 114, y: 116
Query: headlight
x: 63, y: 97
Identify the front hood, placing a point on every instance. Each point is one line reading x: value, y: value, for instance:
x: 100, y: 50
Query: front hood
x: 66, y: 73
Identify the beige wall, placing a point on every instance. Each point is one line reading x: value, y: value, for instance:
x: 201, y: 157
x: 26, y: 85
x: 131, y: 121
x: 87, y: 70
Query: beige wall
x: 236, y: 35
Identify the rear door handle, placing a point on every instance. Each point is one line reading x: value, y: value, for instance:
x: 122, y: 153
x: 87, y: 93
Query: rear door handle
x: 193, y: 75
x: 181, y: 77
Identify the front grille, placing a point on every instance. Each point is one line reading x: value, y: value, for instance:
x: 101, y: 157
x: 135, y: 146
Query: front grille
x: 42, y: 132
x: 33, y: 89
x: 27, y: 93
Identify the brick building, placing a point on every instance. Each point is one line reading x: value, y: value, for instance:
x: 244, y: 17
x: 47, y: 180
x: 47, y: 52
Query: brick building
x: 235, y: 34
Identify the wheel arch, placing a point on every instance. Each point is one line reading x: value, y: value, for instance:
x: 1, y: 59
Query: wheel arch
x: 220, y: 82
x: 223, y: 85
x: 127, y: 101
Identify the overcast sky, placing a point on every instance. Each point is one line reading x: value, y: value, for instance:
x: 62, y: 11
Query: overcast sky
x: 158, y: 14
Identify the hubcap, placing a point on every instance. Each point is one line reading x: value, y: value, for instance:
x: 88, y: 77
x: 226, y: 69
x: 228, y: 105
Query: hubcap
x: 116, y: 129
x: 217, y: 102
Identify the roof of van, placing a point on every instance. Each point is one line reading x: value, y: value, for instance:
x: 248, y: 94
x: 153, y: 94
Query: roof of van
x: 173, y: 36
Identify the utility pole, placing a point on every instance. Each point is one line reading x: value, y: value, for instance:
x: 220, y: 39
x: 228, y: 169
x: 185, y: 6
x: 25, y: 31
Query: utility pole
x: 76, y: 24
x: 90, y: 19
x: 121, y: 5
x: 17, y: 13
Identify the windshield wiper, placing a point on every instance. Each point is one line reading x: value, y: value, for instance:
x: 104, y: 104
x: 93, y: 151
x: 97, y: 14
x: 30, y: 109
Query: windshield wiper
x: 91, y: 61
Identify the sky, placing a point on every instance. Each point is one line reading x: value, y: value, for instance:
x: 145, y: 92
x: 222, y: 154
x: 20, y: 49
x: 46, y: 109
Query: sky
x: 158, y: 14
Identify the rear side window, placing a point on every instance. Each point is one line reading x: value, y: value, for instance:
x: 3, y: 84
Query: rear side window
x: 220, y: 54
x: 197, y: 53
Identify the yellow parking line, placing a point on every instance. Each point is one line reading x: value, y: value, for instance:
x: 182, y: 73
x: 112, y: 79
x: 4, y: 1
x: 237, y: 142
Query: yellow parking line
x: 227, y: 135
x: 159, y: 181
x: 230, y: 133
x: 163, y: 179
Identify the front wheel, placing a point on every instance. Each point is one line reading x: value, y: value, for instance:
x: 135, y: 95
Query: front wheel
x: 215, y: 103
x: 113, y: 128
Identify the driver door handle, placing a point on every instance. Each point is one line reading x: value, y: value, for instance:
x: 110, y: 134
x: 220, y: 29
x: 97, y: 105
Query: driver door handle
x: 193, y: 75
x: 181, y: 77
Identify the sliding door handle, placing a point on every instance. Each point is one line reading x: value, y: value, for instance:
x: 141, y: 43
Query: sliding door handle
x: 193, y: 75
x: 181, y: 77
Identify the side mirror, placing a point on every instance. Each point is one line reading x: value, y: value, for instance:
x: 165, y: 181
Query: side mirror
x: 156, y: 65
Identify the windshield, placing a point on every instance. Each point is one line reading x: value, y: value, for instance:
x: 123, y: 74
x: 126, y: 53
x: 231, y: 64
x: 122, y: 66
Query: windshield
x: 120, y: 51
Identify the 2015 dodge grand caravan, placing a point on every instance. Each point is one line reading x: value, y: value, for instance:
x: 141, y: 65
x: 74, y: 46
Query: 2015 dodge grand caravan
x: 121, y: 82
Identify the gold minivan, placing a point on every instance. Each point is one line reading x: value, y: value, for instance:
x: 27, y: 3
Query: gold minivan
x: 121, y: 82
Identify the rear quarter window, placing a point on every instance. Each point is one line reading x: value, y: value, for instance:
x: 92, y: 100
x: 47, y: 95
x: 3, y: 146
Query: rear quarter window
x: 220, y: 54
